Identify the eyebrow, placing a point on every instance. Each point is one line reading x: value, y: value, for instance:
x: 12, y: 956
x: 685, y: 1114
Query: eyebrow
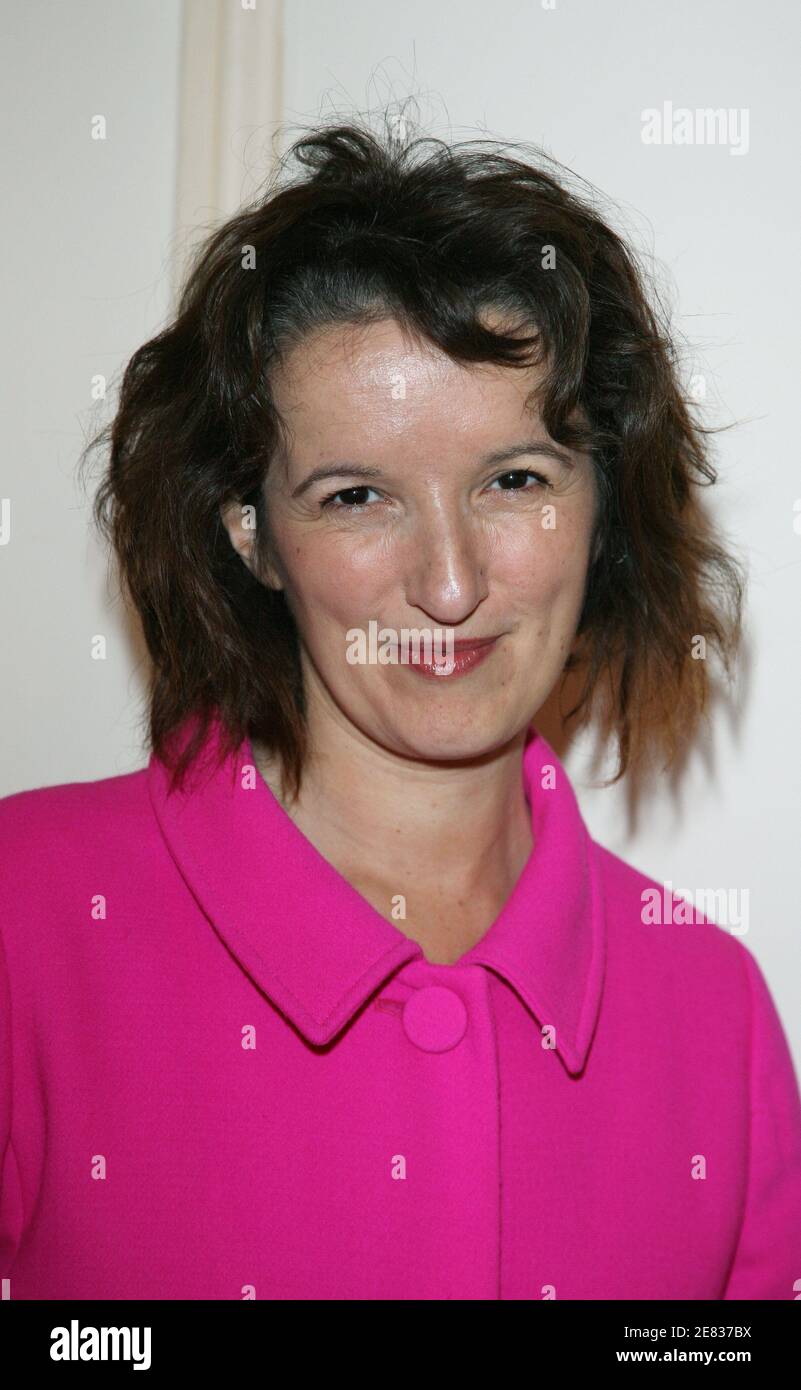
x: 362, y: 470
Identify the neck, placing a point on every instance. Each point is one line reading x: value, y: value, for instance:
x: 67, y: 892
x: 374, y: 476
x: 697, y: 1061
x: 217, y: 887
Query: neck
x: 460, y: 829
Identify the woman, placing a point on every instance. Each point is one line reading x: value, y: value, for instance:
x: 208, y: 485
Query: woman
x: 337, y: 998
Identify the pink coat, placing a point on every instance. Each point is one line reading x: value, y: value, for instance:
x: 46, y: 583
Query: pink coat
x: 224, y: 1075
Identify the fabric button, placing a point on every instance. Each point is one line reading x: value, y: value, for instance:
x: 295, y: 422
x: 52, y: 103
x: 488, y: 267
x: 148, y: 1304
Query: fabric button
x: 435, y: 1018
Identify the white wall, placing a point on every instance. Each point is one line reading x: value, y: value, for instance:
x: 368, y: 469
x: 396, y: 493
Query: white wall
x: 85, y: 237
x: 86, y: 244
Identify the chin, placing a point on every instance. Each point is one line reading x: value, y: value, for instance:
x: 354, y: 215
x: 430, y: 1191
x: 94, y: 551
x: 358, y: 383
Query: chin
x: 447, y: 744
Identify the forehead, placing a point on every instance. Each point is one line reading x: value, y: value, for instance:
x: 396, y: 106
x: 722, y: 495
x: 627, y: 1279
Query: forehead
x: 360, y: 377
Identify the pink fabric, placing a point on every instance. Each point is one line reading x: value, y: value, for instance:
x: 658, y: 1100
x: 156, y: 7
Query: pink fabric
x: 242, y: 1081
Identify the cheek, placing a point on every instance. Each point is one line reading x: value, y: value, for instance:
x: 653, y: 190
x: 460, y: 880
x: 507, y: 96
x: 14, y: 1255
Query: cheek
x: 333, y: 581
x: 541, y: 568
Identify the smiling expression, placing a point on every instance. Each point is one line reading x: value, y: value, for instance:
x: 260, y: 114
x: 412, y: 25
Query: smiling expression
x: 420, y: 493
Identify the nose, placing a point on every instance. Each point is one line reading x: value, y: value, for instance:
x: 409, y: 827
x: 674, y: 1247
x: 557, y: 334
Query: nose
x: 447, y: 573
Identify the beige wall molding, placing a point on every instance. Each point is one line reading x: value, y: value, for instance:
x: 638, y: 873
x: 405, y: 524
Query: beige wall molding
x: 231, y: 92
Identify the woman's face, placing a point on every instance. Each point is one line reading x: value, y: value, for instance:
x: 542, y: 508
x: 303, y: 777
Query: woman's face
x: 444, y: 533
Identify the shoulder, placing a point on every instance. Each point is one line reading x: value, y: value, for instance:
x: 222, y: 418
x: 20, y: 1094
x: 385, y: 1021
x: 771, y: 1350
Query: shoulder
x: 70, y: 805
x: 689, y: 975
x: 50, y: 835
x: 685, y: 938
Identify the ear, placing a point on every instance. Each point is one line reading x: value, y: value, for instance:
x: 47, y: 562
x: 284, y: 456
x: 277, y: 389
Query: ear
x: 239, y: 520
x: 235, y: 519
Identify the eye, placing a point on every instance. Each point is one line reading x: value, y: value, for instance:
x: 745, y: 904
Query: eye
x: 515, y: 480
x: 355, y: 495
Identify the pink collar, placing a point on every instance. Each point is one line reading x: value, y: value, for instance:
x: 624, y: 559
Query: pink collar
x: 318, y: 949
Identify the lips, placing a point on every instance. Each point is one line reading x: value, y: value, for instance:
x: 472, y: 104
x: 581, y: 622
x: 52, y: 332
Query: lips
x: 468, y: 653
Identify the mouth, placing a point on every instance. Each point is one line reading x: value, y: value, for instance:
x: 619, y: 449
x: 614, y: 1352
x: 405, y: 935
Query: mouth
x: 468, y: 653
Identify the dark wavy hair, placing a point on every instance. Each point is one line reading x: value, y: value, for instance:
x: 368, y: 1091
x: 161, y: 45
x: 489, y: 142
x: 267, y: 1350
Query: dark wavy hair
x: 356, y: 226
